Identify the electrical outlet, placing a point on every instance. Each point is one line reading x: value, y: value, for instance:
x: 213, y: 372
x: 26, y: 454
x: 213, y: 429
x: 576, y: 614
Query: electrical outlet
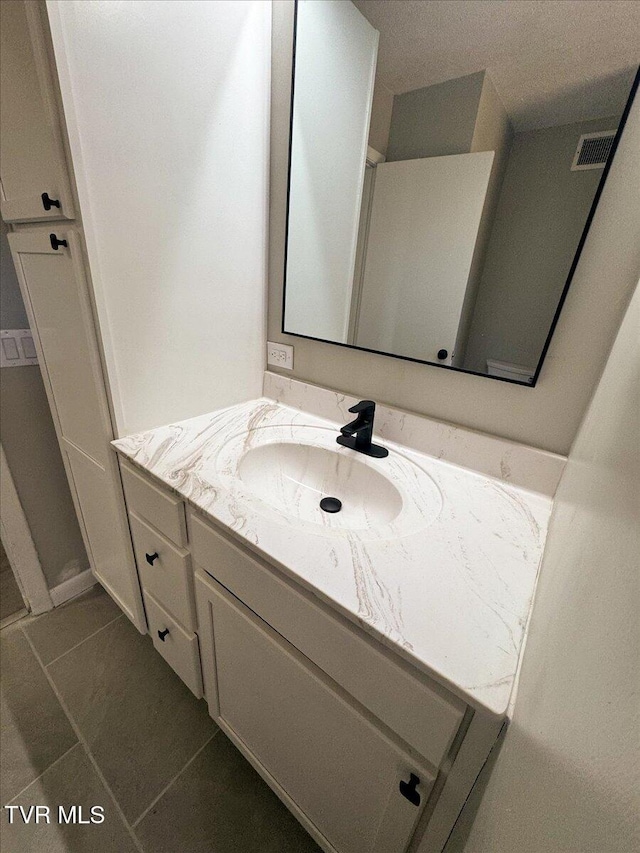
x: 17, y: 348
x: 279, y: 355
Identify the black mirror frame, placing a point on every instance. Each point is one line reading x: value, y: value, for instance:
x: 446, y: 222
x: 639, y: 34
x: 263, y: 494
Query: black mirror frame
x: 565, y: 290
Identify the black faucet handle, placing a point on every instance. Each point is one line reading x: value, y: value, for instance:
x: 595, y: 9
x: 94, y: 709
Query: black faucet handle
x: 357, y: 434
x: 367, y: 406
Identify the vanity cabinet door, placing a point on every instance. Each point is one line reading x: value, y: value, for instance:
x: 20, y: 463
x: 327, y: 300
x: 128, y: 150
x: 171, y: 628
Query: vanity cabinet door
x: 328, y: 757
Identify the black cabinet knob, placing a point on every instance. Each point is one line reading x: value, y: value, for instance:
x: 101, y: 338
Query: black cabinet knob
x: 151, y: 557
x: 442, y: 354
x: 163, y: 634
x: 48, y: 203
x: 55, y: 243
x: 408, y: 789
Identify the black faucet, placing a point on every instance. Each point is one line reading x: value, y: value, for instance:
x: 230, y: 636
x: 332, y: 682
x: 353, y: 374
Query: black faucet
x: 357, y: 434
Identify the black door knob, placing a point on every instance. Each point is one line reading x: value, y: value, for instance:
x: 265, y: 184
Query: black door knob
x: 163, y: 634
x: 442, y: 354
x: 408, y: 789
x: 48, y: 203
x: 151, y: 557
x: 55, y: 243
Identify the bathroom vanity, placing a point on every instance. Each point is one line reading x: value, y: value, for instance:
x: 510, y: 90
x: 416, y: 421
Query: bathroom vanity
x: 363, y: 661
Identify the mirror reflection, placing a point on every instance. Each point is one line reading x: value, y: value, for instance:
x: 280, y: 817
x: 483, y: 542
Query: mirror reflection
x: 444, y: 159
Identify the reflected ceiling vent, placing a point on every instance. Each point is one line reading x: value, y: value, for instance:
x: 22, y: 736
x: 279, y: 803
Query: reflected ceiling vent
x: 593, y: 150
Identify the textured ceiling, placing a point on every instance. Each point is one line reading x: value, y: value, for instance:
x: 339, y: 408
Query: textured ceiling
x: 552, y: 61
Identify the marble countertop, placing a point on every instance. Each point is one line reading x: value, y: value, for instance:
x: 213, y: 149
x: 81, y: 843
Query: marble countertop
x: 451, y: 594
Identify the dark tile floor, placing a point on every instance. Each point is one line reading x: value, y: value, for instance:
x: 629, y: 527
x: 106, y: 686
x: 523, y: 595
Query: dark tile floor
x: 92, y: 716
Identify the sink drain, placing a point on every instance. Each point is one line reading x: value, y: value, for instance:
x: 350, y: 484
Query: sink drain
x: 330, y: 505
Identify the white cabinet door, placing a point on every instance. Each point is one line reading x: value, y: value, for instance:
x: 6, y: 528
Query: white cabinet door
x: 31, y: 156
x: 100, y: 507
x: 338, y: 767
x: 55, y: 294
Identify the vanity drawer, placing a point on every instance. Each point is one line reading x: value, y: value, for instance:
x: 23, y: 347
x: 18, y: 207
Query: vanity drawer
x: 425, y: 715
x: 165, y: 570
x: 177, y: 647
x: 162, y: 509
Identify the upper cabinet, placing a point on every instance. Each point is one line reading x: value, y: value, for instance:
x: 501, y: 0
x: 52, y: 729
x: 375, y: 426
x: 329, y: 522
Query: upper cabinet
x: 32, y: 166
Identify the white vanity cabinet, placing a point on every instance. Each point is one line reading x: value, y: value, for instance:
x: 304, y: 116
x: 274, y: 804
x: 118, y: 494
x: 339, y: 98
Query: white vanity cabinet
x: 370, y: 754
x: 337, y: 726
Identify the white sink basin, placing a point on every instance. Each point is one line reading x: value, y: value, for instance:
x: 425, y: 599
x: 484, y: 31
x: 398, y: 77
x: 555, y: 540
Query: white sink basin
x: 285, y: 471
x: 294, y: 478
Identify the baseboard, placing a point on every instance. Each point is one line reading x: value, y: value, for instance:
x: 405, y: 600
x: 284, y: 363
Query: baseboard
x: 14, y: 617
x: 72, y: 587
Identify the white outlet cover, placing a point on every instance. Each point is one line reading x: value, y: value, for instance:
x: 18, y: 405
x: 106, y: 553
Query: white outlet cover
x: 17, y: 348
x: 280, y: 355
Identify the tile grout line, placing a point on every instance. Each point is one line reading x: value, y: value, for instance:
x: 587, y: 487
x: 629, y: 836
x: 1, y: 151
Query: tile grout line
x: 85, y: 746
x: 115, y: 619
x: 33, y: 781
x: 139, y: 819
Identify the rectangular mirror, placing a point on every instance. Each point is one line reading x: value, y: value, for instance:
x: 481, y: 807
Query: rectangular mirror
x: 445, y: 162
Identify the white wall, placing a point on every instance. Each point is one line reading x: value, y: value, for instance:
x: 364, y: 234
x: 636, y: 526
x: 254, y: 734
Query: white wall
x: 568, y: 776
x: 546, y: 416
x: 493, y: 132
x: 167, y: 110
x: 540, y: 216
x: 336, y: 51
x: 436, y: 120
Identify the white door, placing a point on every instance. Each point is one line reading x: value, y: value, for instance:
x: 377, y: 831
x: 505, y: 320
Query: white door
x: 330, y: 759
x: 55, y: 294
x: 424, y: 225
x: 336, y: 52
x: 31, y: 157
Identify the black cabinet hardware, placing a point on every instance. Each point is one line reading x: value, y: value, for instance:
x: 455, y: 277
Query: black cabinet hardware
x: 442, y: 354
x: 55, y: 243
x: 48, y: 203
x: 163, y: 634
x: 151, y: 557
x: 408, y: 789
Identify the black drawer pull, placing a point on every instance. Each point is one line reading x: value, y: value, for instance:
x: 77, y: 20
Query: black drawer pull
x: 151, y: 557
x: 163, y: 634
x: 408, y: 789
x: 48, y: 203
x: 55, y: 243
